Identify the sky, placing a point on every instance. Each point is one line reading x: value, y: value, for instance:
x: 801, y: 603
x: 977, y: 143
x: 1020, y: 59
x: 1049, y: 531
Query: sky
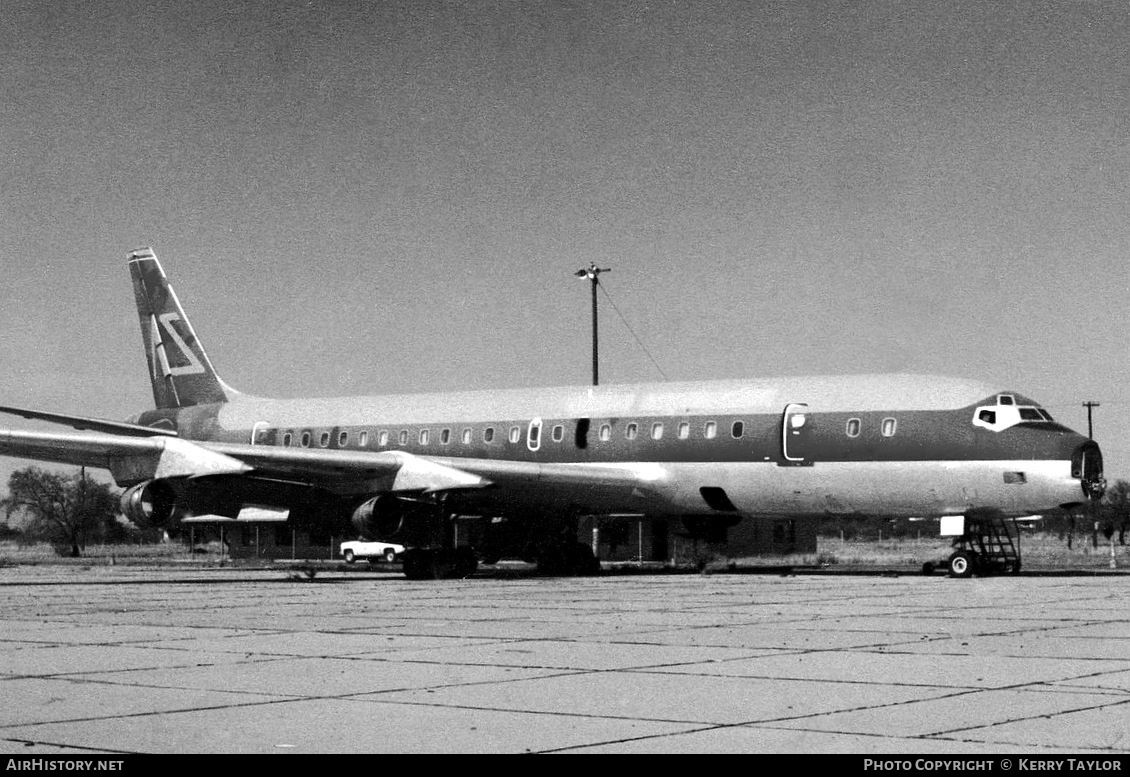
x: 371, y: 197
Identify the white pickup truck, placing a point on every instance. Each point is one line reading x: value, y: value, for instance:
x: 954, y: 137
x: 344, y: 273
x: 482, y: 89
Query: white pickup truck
x: 371, y: 551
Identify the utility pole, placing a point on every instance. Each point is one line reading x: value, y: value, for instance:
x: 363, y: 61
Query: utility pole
x: 1090, y: 426
x: 593, y: 274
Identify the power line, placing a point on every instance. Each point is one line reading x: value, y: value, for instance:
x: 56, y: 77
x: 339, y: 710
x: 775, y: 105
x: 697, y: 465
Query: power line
x: 629, y: 327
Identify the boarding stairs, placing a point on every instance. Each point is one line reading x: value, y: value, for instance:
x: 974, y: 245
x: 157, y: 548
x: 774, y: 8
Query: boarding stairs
x: 986, y: 546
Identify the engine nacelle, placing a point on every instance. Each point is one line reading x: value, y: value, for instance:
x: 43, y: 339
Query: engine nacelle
x: 381, y: 517
x: 149, y: 504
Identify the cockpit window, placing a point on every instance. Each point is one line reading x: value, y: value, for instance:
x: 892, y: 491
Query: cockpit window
x: 1006, y: 413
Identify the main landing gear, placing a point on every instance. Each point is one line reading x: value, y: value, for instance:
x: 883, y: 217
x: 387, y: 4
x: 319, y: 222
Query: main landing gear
x: 439, y: 563
x: 568, y: 559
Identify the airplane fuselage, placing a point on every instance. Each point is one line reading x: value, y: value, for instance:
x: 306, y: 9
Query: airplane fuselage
x: 881, y: 445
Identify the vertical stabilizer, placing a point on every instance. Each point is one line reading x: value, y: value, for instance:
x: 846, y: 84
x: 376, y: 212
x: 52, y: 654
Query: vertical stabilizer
x: 181, y: 372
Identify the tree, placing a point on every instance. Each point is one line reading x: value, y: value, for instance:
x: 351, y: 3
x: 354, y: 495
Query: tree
x: 9, y: 532
x: 1117, y: 500
x: 69, y: 510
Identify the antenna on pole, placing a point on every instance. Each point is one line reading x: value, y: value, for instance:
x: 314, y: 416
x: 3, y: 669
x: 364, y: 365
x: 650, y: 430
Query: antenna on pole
x: 593, y: 274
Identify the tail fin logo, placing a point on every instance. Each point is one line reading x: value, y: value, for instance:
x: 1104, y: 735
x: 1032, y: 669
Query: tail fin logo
x: 179, y: 369
x: 194, y: 366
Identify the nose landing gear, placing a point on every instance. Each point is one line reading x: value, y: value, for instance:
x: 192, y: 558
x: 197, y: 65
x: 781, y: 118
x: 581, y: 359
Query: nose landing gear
x: 986, y: 545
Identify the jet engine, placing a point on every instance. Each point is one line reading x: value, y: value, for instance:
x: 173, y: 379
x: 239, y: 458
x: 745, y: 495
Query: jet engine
x: 381, y: 517
x: 149, y: 504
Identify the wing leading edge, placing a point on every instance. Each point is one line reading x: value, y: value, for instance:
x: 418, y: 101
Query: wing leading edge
x: 87, y: 424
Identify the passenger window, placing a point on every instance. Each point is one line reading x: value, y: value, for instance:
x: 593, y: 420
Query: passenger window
x: 515, y: 434
x: 853, y: 427
x: 363, y: 440
x: 324, y: 439
x: 342, y: 439
x: 488, y: 434
x: 889, y: 426
x: 306, y: 439
x: 737, y: 430
x: 466, y: 436
x: 684, y: 430
x: 382, y: 438
x: 605, y: 432
x: 710, y: 431
x: 657, y: 431
x: 424, y: 434
x: 288, y: 438
x: 558, y: 433
x: 403, y: 436
x: 631, y: 430
x: 445, y: 437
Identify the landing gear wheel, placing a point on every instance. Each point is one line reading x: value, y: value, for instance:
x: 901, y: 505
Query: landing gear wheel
x: 349, y: 557
x: 390, y: 555
x: 576, y: 560
x: 962, y: 564
x: 466, y: 562
x: 419, y: 564
x: 585, y: 562
x: 426, y: 564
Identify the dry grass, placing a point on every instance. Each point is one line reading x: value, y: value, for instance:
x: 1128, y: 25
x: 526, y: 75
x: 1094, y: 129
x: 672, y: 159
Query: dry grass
x: 14, y: 553
x: 1040, y: 553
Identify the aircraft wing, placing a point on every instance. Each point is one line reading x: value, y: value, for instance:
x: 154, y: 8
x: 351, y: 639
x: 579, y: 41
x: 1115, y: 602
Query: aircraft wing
x: 132, y: 460
x: 347, y: 471
x: 88, y: 424
x: 129, y: 459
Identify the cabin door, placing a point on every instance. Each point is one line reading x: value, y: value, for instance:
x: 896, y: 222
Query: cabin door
x: 263, y: 434
x: 796, y: 432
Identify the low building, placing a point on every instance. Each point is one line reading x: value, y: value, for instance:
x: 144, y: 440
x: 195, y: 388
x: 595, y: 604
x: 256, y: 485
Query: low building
x: 673, y: 541
x: 264, y: 533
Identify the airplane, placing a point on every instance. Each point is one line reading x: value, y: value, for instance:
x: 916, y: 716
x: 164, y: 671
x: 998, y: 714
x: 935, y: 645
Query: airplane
x: 531, y: 462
